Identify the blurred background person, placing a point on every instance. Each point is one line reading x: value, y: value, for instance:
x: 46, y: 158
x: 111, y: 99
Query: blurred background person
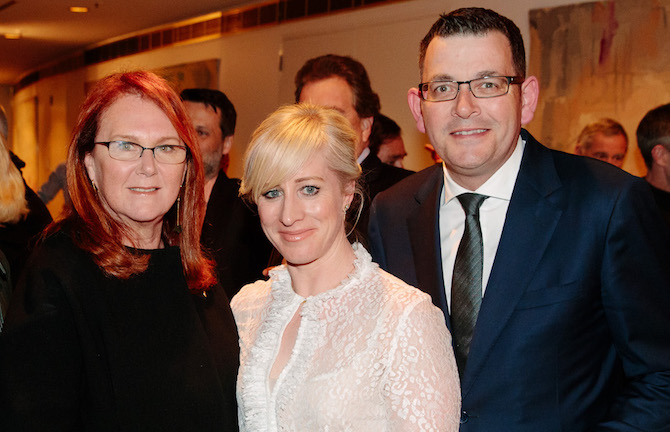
x: 342, y: 83
x: 386, y: 141
x: 56, y: 182
x: 604, y: 139
x: 22, y: 214
x: 330, y: 311
x: 653, y: 139
x: 13, y: 207
x: 118, y: 322
x: 232, y: 231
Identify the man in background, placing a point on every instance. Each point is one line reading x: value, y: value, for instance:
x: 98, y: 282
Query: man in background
x: 604, y: 139
x: 653, y: 139
x: 342, y: 83
x: 232, y: 231
x: 551, y: 269
x: 386, y: 141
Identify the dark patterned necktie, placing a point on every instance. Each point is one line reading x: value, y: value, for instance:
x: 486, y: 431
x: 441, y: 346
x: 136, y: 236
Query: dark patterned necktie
x: 466, y: 283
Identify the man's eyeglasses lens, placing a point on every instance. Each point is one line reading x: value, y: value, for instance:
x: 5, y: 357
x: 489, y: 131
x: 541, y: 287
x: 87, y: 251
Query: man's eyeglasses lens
x: 487, y: 87
x: 129, y: 151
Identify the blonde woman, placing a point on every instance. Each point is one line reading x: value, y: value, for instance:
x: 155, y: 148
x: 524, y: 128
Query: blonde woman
x: 22, y: 214
x: 331, y: 342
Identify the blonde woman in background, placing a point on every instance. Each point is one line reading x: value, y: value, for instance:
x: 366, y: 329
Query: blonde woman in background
x: 331, y: 342
x: 22, y: 214
x: 13, y: 204
x: 13, y: 207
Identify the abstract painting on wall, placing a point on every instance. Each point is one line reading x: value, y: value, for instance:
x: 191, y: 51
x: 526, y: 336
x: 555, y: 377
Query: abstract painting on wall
x: 600, y: 59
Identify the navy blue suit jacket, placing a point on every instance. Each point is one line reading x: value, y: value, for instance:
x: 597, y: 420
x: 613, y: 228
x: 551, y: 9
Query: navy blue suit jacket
x: 574, y: 328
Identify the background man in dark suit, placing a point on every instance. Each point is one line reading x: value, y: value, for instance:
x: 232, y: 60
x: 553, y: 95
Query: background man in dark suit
x: 232, y: 231
x: 573, y: 330
x: 342, y: 83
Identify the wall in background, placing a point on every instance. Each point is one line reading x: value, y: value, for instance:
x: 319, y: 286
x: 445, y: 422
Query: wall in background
x: 256, y: 71
x: 6, y: 93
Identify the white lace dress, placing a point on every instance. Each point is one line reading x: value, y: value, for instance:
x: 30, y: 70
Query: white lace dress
x: 373, y: 354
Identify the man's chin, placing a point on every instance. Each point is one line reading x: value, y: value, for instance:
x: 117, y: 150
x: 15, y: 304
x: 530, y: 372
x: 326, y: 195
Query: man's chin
x: 211, y: 170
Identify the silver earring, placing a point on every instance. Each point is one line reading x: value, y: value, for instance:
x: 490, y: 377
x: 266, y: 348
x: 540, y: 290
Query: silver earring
x: 177, y: 229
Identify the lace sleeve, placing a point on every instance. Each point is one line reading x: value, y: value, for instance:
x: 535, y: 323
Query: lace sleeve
x: 422, y: 386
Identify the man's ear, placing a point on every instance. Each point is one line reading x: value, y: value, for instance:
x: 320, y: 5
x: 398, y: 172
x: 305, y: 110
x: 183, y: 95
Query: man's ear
x: 660, y: 155
x: 414, y: 102
x: 227, y: 144
x: 530, y: 92
x: 366, y: 128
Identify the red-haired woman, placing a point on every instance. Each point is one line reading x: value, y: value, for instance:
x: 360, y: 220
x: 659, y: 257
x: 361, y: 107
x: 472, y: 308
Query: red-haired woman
x: 118, y: 322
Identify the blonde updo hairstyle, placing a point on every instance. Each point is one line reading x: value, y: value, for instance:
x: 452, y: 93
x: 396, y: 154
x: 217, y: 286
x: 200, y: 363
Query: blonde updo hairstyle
x: 292, y: 135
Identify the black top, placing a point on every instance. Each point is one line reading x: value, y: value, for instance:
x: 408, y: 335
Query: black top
x: 663, y: 202
x: 376, y: 176
x: 232, y: 233
x: 84, y: 352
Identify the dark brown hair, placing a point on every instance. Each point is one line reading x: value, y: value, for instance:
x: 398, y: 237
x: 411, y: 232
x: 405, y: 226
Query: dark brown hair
x: 383, y: 129
x: 219, y: 102
x: 366, y: 102
x: 478, y: 22
x: 654, y: 129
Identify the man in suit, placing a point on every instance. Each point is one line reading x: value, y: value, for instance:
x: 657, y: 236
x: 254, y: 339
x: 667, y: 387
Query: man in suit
x: 232, y: 231
x: 342, y: 83
x: 573, y: 331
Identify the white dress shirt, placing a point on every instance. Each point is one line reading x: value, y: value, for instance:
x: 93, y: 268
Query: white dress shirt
x: 492, y: 215
x: 363, y: 155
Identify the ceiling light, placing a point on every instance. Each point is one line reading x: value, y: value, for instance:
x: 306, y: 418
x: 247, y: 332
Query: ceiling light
x: 78, y: 9
x: 14, y: 35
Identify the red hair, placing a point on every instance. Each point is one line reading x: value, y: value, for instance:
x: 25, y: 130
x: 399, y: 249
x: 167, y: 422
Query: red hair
x: 93, y: 228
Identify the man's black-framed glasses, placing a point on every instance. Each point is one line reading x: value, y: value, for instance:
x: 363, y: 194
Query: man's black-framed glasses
x: 130, y: 151
x: 486, y: 87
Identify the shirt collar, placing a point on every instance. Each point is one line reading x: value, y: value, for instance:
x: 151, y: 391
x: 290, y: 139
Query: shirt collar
x: 363, y: 155
x: 499, y: 185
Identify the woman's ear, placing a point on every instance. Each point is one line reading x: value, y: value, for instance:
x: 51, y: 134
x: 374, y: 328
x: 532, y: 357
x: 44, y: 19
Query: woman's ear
x: 89, y: 164
x: 349, y: 191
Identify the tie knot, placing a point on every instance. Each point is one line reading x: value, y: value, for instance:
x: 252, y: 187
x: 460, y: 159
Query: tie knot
x: 471, y: 202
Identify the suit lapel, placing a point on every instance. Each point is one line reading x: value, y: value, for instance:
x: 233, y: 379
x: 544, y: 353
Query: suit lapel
x: 423, y: 226
x: 532, y: 216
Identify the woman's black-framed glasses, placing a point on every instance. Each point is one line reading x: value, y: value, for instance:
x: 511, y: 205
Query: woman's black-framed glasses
x: 130, y: 151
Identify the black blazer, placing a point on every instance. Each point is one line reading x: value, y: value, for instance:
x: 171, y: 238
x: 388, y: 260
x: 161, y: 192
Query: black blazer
x: 376, y: 176
x: 233, y: 235
x: 574, y: 331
